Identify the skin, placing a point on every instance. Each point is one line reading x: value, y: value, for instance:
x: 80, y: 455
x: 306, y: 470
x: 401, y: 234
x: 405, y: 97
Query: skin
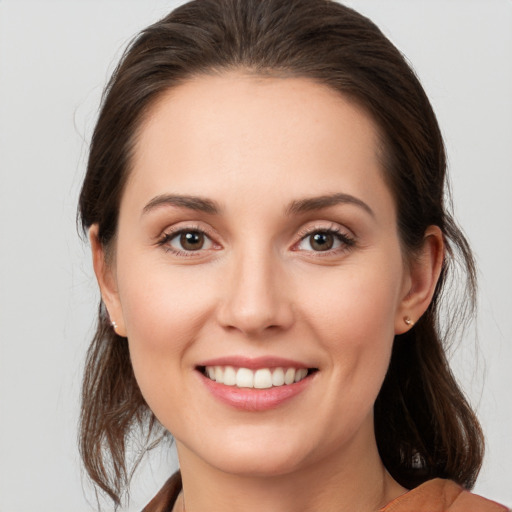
x: 254, y: 146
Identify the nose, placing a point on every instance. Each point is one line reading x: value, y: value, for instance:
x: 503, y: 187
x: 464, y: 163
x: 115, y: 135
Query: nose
x: 256, y: 300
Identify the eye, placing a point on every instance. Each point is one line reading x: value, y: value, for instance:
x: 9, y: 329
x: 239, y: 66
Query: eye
x: 324, y: 240
x: 186, y: 240
x: 321, y: 241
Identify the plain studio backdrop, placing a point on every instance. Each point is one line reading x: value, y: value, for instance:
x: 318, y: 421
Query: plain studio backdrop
x: 55, y: 57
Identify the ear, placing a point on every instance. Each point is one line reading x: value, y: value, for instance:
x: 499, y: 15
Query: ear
x: 423, y: 274
x: 105, y: 275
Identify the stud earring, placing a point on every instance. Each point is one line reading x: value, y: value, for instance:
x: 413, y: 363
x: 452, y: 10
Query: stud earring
x: 114, y: 325
x: 408, y: 321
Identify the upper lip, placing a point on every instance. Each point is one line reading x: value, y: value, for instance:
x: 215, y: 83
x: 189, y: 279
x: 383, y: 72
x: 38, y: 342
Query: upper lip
x: 254, y: 363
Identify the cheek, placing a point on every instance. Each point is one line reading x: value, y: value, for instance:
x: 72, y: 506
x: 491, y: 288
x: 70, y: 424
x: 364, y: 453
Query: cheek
x: 358, y: 301
x: 161, y: 303
x: 352, y: 314
x: 163, y: 311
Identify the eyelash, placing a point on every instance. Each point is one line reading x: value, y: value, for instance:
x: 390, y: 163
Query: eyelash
x: 347, y: 241
x: 167, y: 237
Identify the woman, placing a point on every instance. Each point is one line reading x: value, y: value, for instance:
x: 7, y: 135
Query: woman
x: 265, y: 205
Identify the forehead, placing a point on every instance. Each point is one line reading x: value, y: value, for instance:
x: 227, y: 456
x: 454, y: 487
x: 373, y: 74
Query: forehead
x: 234, y: 133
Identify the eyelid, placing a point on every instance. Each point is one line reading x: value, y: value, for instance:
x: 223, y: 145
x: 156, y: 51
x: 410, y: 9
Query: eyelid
x: 173, y: 231
x: 312, y: 227
x: 344, y: 235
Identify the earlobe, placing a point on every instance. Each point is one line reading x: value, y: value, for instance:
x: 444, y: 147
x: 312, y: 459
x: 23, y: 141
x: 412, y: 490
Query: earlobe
x: 105, y: 276
x: 424, y: 271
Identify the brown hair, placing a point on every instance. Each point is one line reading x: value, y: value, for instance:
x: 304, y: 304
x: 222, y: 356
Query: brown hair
x: 424, y: 425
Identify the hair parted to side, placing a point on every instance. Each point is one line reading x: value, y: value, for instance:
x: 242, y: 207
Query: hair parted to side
x: 424, y: 425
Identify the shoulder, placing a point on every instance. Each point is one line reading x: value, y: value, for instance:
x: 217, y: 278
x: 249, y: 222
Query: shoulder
x: 436, y: 495
x: 167, y: 495
x: 440, y: 495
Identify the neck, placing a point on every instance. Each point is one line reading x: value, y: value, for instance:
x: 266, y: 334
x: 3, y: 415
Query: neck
x: 353, y: 480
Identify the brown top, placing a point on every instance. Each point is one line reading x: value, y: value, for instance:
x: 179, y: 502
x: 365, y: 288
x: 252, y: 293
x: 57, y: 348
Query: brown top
x: 166, y: 497
x: 440, y: 495
x: 433, y: 496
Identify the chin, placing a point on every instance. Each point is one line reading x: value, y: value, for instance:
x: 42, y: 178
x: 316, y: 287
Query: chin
x: 258, y: 465
x: 251, y: 455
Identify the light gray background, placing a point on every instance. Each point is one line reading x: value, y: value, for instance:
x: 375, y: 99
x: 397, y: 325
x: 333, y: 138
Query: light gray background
x: 54, y: 60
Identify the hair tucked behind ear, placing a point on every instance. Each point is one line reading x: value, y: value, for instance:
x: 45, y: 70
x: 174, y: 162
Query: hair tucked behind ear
x: 424, y: 426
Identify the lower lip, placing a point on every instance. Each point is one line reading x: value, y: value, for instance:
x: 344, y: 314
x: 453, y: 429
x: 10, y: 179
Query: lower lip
x: 251, y: 399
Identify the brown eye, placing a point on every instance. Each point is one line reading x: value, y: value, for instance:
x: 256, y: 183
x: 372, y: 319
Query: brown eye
x: 188, y: 242
x: 328, y: 240
x: 192, y: 240
x: 321, y: 241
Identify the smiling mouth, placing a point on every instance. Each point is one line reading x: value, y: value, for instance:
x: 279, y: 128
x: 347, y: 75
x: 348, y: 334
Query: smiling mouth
x: 262, y: 378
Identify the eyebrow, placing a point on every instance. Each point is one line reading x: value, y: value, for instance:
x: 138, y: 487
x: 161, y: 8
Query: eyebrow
x: 298, y: 206
x: 191, y: 202
x: 320, y: 202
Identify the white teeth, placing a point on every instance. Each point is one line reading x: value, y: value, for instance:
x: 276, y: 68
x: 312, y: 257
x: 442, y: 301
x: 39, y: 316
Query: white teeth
x: 289, y: 376
x: 244, y: 378
x: 263, y: 378
x: 229, y: 376
x: 278, y: 377
x: 300, y: 374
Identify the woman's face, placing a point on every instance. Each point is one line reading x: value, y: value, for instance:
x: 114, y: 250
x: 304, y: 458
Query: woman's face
x: 256, y: 231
